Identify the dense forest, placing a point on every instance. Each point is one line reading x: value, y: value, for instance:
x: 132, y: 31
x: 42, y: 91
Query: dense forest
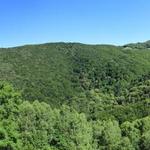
x: 72, y: 96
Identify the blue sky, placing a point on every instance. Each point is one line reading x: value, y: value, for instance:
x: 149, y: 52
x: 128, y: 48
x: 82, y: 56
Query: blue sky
x: 86, y: 21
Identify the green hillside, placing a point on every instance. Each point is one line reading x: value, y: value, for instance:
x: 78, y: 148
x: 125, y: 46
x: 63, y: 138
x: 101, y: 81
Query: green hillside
x: 74, y: 96
x: 58, y: 71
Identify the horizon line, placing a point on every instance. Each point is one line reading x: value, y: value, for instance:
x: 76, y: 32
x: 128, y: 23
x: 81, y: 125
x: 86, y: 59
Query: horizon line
x: 67, y: 42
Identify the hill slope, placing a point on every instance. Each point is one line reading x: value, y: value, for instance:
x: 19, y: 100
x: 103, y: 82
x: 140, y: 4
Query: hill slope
x: 58, y: 71
x: 97, y: 97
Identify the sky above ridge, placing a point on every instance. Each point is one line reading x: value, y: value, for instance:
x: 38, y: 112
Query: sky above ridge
x: 86, y: 21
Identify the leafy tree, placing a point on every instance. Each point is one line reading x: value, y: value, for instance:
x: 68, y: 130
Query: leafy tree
x: 133, y: 133
x: 106, y: 134
x: 9, y: 101
x: 36, y: 123
x: 145, y: 144
x: 72, y: 131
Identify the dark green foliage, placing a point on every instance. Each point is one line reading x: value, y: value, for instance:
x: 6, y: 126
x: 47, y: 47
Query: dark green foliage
x: 97, y: 97
x: 57, y: 72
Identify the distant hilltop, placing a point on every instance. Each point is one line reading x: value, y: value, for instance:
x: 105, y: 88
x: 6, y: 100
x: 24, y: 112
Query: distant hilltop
x: 139, y: 45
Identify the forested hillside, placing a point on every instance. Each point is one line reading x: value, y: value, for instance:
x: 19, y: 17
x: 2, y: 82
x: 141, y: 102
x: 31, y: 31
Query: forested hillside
x: 72, y: 96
